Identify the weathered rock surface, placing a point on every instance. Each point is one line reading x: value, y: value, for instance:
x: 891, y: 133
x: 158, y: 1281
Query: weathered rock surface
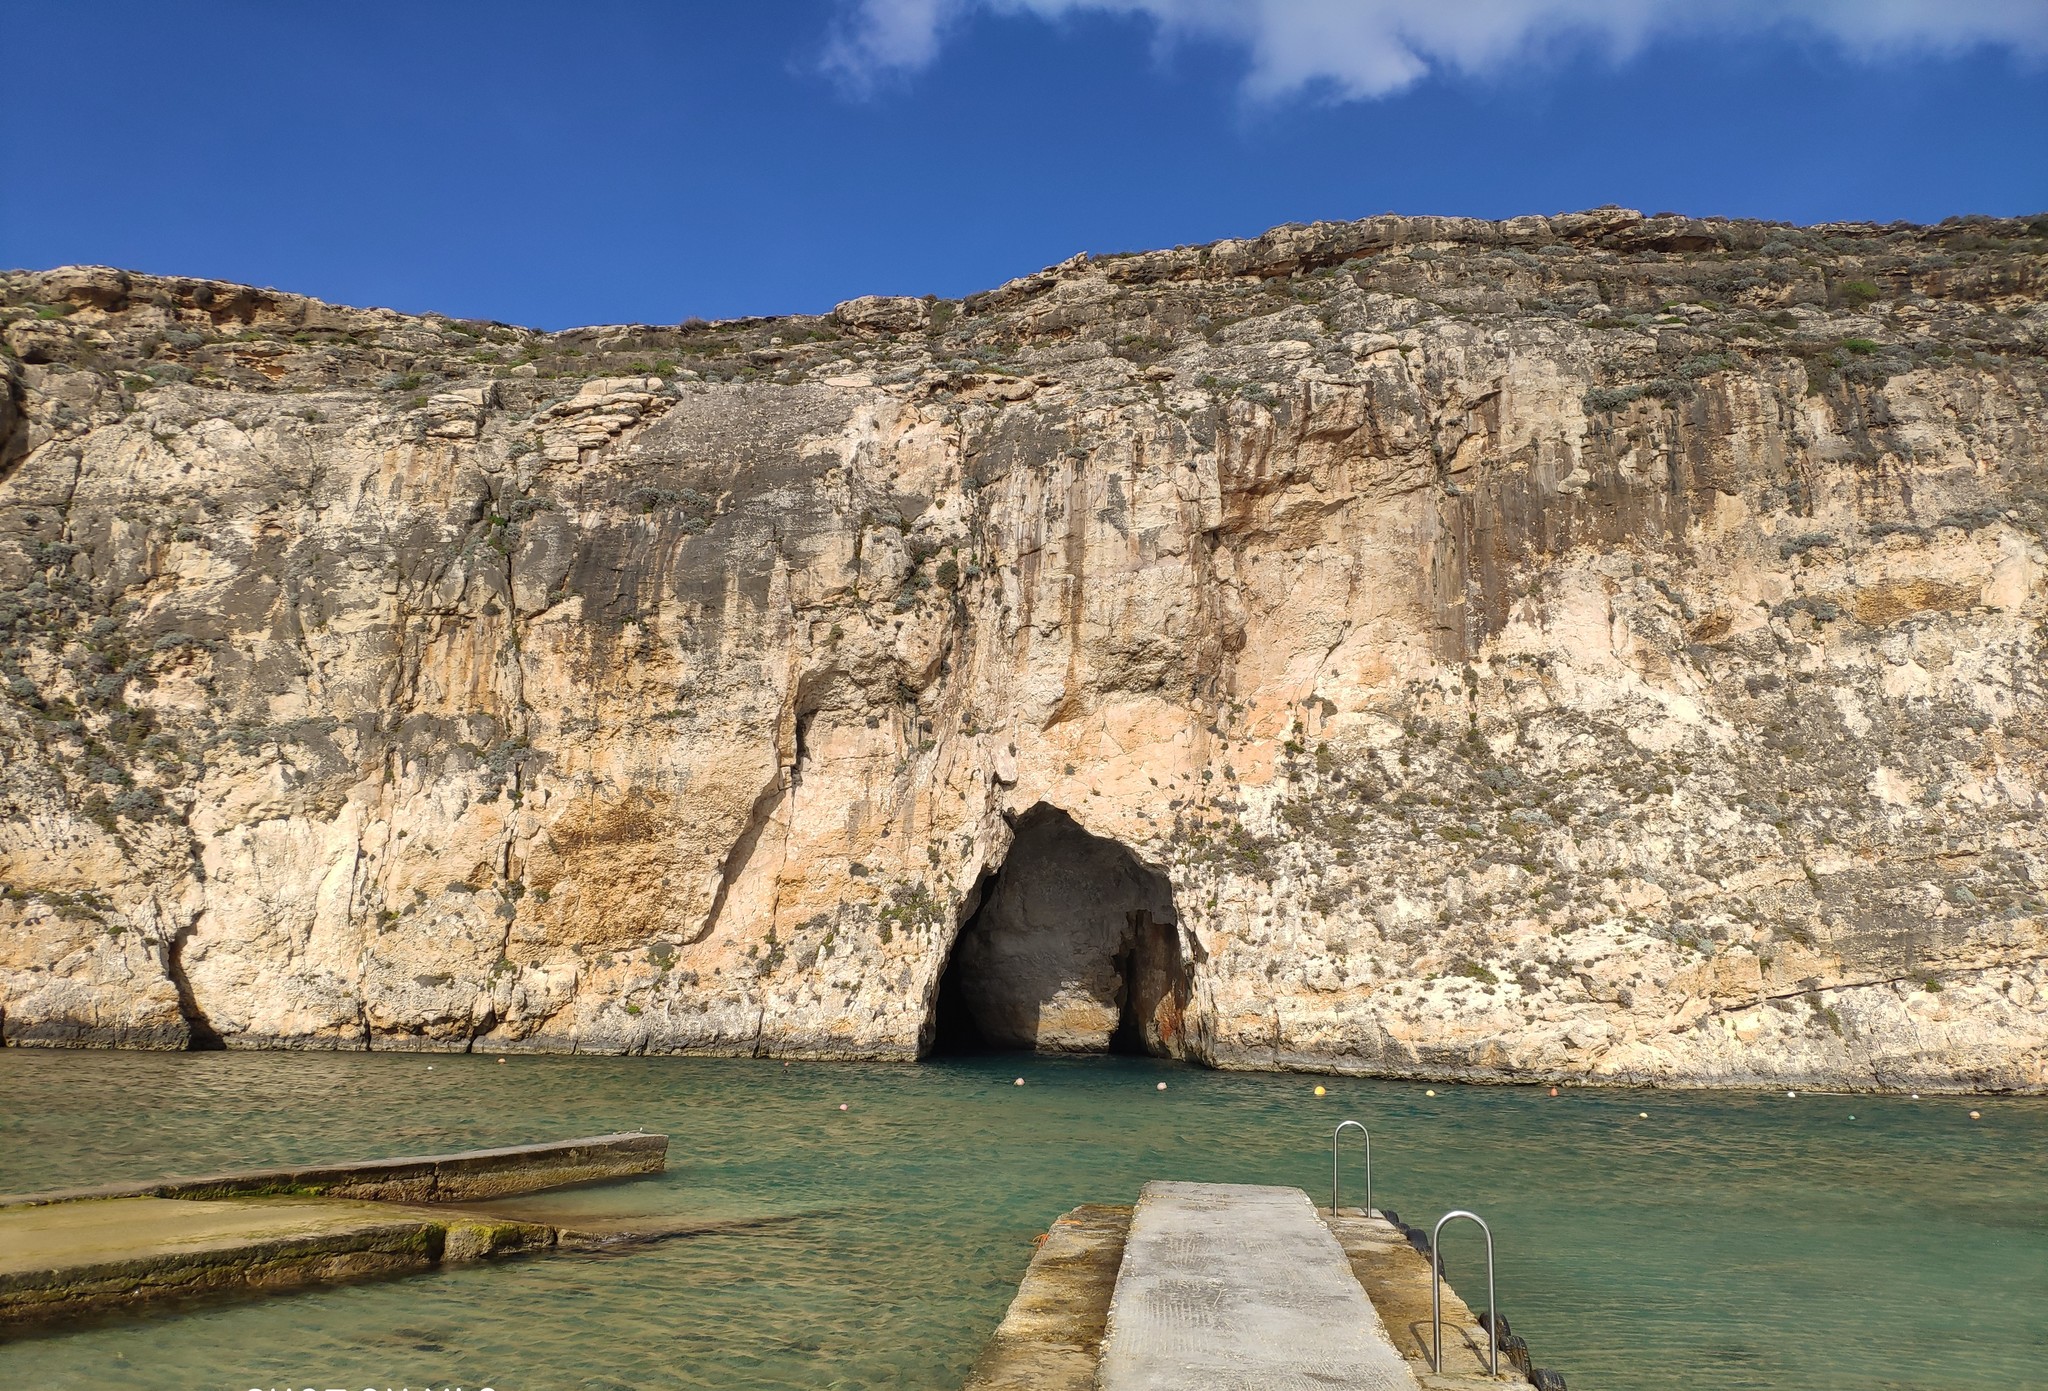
x: 1594, y: 646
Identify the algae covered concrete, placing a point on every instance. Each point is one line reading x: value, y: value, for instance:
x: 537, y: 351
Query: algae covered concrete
x: 81, y: 1252
x: 126, y: 1229
x: 467, y: 1176
x: 68, y: 1260
x: 1050, y: 1339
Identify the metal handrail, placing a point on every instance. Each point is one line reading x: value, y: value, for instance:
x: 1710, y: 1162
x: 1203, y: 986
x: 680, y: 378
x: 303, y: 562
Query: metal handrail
x: 1336, y: 1138
x: 1436, y: 1290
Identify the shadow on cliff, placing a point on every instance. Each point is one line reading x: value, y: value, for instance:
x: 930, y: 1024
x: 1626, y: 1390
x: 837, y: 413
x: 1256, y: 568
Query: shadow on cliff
x: 201, y: 1036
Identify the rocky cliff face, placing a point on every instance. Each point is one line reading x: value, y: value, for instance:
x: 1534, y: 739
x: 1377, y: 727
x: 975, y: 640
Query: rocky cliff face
x: 1595, y: 646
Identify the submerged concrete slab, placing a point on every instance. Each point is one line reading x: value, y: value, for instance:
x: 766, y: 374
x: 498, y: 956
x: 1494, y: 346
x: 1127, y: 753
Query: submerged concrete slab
x: 1230, y: 1287
x: 466, y: 1176
x: 67, y: 1260
x: 89, y: 1251
x: 37, y: 1239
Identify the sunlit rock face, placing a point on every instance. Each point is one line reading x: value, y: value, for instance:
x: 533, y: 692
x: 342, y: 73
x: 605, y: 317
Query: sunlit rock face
x: 1591, y: 646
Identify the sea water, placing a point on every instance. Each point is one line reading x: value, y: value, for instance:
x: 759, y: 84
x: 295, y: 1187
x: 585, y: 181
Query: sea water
x: 1646, y: 1239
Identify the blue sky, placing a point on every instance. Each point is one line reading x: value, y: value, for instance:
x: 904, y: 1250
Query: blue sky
x: 555, y: 164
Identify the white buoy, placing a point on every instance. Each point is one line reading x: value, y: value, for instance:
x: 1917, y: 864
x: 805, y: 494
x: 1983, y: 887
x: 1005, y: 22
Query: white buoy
x: 1162, y: 1086
x: 1642, y: 1115
x: 1020, y: 1081
x: 1916, y: 1096
x: 1974, y: 1116
x: 842, y: 1106
x: 1429, y: 1093
x: 1790, y: 1095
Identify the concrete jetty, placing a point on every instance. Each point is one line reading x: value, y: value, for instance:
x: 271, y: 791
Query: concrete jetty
x: 1228, y: 1287
x: 85, y: 1251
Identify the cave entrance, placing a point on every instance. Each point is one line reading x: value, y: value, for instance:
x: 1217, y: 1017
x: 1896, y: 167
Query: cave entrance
x: 1074, y: 947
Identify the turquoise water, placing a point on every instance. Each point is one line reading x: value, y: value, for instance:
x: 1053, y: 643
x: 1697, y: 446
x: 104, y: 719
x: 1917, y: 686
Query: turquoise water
x: 1728, y: 1241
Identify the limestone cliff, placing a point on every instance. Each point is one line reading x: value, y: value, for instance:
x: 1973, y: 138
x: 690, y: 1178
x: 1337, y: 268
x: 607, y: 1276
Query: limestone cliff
x: 1593, y: 646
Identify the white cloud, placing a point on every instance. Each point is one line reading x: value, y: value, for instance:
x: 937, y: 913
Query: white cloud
x: 1356, y: 49
x: 890, y: 35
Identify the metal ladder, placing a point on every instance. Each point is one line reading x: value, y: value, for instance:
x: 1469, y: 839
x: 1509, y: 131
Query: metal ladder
x: 1336, y: 1145
x: 1436, y: 1259
x: 1436, y: 1292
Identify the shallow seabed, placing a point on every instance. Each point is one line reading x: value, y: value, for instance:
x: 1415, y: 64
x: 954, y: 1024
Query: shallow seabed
x: 1727, y: 1241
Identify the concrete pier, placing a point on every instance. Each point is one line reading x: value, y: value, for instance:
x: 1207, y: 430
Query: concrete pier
x: 80, y: 1252
x: 1229, y: 1287
x: 1208, y: 1287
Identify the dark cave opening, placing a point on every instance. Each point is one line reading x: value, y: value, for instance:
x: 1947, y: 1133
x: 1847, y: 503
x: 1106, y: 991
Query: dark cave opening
x: 1072, y: 947
x: 955, y: 1030
x: 1129, y: 1034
